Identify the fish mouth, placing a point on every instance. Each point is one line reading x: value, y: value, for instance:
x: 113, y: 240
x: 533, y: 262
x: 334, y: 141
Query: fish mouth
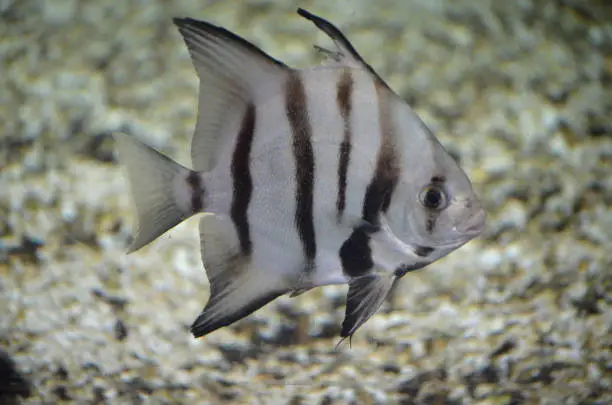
x: 473, y: 226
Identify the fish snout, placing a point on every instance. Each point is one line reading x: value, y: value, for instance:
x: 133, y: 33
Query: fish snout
x: 475, y: 223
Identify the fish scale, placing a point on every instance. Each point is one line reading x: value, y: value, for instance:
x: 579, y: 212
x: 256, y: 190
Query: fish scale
x: 308, y: 177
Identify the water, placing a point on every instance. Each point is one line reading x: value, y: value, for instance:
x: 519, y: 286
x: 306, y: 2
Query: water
x: 519, y: 91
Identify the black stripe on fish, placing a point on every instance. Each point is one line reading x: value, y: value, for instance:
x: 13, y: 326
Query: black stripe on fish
x: 356, y: 254
x: 297, y: 114
x: 431, y: 223
x: 423, y: 251
x: 197, y: 189
x: 344, y: 91
x: 432, y: 217
x: 380, y: 190
x: 242, y: 180
x: 406, y: 268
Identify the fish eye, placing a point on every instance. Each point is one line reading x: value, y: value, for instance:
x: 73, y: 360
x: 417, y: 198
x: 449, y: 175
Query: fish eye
x: 433, y: 197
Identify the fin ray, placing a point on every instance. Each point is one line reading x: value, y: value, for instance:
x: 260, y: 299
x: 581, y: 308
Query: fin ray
x: 365, y: 296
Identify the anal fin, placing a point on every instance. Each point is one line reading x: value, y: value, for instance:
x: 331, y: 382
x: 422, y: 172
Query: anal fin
x: 236, y: 288
x: 365, y: 296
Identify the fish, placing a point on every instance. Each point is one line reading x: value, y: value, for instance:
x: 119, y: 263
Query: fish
x: 305, y: 178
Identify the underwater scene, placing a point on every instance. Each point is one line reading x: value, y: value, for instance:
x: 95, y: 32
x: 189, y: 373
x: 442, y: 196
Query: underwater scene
x: 375, y: 202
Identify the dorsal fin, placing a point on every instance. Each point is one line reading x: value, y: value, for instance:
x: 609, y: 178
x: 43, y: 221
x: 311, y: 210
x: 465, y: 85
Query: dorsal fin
x: 231, y: 71
x: 346, y: 54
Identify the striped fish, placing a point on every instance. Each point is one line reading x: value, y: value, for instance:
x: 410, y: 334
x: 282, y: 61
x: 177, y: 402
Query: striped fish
x: 308, y: 178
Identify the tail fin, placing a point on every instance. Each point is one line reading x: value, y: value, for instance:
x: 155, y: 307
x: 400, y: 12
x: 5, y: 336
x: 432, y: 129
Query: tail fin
x: 164, y: 192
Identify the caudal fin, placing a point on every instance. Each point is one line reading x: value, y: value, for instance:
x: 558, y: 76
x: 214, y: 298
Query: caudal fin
x: 164, y: 192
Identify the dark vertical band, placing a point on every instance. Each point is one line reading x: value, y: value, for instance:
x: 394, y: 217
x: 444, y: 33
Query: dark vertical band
x: 297, y: 114
x: 356, y: 254
x: 197, y: 189
x: 344, y: 92
x: 378, y: 194
x: 242, y: 181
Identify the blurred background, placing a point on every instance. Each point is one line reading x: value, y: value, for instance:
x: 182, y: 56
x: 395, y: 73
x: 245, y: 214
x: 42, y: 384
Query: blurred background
x: 520, y: 92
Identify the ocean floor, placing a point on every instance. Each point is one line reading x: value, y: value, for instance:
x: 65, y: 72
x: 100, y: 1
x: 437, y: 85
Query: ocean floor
x: 519, y: 91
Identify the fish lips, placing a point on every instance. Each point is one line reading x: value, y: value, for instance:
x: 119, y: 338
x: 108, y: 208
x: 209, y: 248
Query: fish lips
x: 473, y: 226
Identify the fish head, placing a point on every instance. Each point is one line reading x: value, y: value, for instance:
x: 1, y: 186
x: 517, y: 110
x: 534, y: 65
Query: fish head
x: 449, y: 212
x: 440, y: 208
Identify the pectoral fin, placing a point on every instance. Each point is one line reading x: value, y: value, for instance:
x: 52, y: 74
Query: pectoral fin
x: 365, y: 296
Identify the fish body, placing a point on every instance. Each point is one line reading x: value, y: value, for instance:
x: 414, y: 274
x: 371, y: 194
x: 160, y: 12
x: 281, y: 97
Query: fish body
x: 308, y: 177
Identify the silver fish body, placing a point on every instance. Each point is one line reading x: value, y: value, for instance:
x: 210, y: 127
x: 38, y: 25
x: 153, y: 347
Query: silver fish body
x: 308, y: 178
